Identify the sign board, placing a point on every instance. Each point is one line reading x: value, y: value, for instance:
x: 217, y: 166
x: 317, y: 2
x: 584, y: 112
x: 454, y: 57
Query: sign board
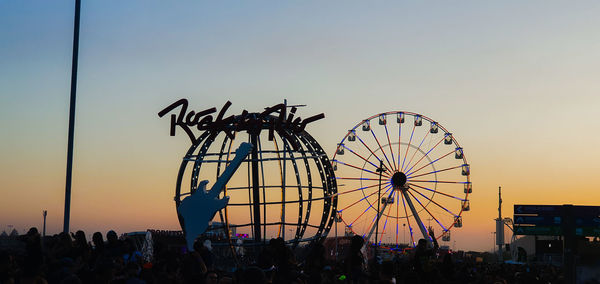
x: 550, y: 220
x: 568, y: 220
x: 538, y: 230
x: 538, y: 220
x: 538, y: 209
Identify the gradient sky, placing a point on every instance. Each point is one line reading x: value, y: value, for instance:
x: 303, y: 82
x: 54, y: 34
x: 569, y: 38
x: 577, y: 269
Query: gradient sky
x: 516, y: 82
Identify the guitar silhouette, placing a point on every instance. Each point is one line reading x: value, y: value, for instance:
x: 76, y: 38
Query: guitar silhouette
x: 201, y: 206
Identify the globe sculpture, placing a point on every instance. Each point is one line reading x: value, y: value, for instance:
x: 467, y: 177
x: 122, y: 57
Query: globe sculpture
x: 285, y: 188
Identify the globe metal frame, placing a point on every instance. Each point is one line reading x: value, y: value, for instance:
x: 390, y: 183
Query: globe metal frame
x: 426, y: 166
x: 292, y: 150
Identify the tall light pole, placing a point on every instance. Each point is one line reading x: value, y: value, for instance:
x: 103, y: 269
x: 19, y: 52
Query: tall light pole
x: 72, y: 117
x: 380, y: 170
x: 45, y: 213
x: 500, y: 226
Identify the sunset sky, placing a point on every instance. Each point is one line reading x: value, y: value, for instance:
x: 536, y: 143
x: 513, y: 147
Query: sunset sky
x: 516, y: 82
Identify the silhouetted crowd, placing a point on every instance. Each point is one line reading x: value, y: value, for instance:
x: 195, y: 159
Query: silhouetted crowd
x: 70, y: 258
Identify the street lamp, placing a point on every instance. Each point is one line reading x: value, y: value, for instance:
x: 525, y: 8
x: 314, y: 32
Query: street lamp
x: 380, y: 170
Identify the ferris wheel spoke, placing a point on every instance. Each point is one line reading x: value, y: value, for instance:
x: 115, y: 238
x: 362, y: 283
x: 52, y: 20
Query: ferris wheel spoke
x: 418, y: 149
x: 399, y: 142
x: 390, y: 145
x: 433, y: 172
x: 397, y: 216
x: 350, y: 178
x: 359, y: 168
x: 350, y: 225
x: 389, y: 187
x: 438, y: 192
x: 408, y: 220
x: 444, y: 156
x: 432, y: 201
x: 354, y: 190
x: 358, y: 155
x: 373, y: 153
x: 365, y: 197
x: 387, y: 216
x: 424, y: 207
x: 391, y: 168
x: 408, y: 146
x: 425, y: 155
x: 436, y: 181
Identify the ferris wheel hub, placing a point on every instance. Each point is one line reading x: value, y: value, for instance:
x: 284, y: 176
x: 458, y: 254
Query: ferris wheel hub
x: 399, y: 180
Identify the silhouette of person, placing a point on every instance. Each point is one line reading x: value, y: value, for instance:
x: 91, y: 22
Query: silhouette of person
x: 113, y: 245
x: 98, y: 251
x: 354, y: 262
x: 211, y: 277
x: 80, y: 246
x: 386, y: 273
x: 32, y: 270
x: 315, y: 262
x: 193, y: 264
x: 424, y: 254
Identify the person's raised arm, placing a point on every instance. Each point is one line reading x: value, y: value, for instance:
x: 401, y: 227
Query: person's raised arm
x: 433, y: 239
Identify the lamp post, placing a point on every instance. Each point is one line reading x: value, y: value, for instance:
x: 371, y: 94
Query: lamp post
x: 45, y: 213
x: 72, y: 117
x: 380, y: 170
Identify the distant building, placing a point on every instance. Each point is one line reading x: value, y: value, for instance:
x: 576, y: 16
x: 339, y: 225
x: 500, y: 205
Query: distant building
x: 548, y: 249
x: 343, y: 245
x: 218, y: 231
x: 12, y: 243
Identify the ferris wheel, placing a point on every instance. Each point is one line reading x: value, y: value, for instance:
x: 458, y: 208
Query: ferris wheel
x: 397, y: 173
